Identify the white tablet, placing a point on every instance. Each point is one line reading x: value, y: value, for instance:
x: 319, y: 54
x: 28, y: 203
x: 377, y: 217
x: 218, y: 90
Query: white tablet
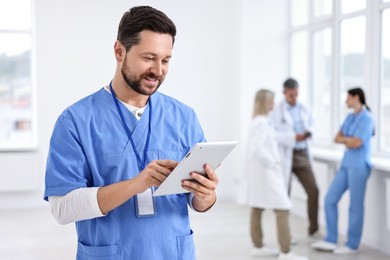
x: 212, y: 153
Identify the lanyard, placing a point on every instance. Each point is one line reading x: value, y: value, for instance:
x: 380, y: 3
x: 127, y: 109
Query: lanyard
x: 141, y: 162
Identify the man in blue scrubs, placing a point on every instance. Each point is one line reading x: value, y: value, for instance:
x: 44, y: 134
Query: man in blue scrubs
x: 111, y: 149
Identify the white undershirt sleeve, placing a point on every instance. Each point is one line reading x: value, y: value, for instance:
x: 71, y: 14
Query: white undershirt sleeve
x: 79, y: 204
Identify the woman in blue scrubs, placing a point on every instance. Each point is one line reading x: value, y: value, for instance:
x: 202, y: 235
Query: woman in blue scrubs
x: 355, y: 133
x: 111, y: 149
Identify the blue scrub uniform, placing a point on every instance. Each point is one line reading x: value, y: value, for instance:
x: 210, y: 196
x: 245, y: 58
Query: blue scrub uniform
x: 89, y: 148
x: 353, y: 175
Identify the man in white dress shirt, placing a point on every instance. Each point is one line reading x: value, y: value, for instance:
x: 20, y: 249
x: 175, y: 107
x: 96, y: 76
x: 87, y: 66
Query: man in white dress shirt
x: 294, y: 122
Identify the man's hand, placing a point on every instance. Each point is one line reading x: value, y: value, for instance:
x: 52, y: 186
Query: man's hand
x: 203, y: 188
x: 304, y: 136
x: 155, y: 173
x: 114, y: 195
x: 300, y: 137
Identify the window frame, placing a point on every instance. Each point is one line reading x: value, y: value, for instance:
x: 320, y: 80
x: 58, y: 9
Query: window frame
x: 15, y: 145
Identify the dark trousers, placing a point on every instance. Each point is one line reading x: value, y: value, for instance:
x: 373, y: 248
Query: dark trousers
x: 301, y: 167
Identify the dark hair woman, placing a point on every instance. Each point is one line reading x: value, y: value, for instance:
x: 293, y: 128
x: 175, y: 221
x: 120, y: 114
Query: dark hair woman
x: 355, y: 133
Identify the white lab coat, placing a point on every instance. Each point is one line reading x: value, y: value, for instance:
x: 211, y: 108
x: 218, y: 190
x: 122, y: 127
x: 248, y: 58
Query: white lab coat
x: 262, y: 184
x: 285, y: 133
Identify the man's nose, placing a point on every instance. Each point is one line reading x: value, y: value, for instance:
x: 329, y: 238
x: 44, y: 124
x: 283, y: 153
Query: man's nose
x: 157, y: 68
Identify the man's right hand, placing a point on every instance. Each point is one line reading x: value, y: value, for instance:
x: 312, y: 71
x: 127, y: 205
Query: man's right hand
x: 114, y: 195
x: 155, y: 173
x: 300, y: 137
x: 304, y: 136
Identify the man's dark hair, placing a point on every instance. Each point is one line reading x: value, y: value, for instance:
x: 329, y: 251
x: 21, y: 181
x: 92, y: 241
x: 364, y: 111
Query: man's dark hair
x: 141, y: 18
x: 290, y: 83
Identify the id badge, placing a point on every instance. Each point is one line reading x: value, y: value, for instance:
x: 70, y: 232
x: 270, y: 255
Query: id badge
x: 144, y: 204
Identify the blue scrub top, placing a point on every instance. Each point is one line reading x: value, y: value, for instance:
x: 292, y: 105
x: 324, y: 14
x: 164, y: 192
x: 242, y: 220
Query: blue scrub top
x: 89, y: 148
x: 360, y: 125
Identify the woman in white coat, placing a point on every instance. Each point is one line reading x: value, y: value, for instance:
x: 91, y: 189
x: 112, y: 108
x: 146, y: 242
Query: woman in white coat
x: 263, y: 186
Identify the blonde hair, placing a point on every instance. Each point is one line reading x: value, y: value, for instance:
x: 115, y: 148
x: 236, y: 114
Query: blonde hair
x: 263, y: 100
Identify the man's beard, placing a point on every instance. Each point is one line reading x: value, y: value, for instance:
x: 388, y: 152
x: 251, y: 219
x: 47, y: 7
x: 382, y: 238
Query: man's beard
x: 134, y: 82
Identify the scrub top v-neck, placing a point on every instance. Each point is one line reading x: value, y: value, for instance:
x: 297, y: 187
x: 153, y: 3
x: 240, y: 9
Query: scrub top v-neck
x: 89, y: 148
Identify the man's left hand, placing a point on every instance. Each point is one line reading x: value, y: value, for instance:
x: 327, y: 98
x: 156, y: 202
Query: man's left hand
x: 203, y: 188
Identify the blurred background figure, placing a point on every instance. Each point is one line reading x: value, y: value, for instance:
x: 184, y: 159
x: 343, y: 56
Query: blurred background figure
x: 263, y: 185
x: 355, y: 133
x: 294, y: 122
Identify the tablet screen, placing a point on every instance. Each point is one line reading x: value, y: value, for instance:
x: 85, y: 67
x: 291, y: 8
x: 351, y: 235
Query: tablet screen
x: 212, y: 153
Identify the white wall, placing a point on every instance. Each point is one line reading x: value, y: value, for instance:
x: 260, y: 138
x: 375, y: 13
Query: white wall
x: 263, y: 62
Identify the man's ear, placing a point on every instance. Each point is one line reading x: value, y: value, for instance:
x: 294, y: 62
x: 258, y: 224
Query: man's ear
x: 119, y: 51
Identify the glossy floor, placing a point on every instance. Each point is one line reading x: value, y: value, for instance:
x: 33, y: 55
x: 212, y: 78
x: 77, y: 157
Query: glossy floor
x: 221, y: 233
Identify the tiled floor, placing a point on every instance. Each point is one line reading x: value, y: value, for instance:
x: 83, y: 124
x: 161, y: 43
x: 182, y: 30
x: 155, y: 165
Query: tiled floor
x: 221, y: 233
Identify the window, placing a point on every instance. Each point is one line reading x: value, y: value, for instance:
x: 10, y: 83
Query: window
x: 322, y: 8
x: 343, y: 45
x: 298, y: 67
x: 16, y: 84
x: 352, y: 58
x: 384, y: 121
x: 321, y: 84
x: 349, y: 6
